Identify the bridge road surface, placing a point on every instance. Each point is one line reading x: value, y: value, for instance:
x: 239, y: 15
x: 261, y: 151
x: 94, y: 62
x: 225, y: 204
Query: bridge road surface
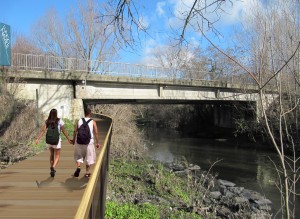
x: 28, y: 191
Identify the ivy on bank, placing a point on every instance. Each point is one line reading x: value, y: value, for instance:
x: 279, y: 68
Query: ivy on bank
x: 145, y: 189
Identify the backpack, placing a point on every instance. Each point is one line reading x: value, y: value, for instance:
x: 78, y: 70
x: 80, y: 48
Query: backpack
x: 84, y: 133
x: 52, y: 135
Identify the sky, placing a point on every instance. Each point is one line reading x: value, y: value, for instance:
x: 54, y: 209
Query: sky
x: 160, y: 16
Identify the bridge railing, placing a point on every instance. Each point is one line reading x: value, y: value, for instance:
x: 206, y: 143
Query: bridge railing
x: 63, y: 64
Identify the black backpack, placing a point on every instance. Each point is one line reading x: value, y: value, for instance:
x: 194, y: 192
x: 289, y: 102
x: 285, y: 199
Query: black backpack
x: 84, y: 133
x: 52, y: 135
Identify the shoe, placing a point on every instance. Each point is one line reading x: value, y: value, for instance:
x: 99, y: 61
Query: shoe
x: 52, y: 172
x: 87, y: 175
x: 76, y: 173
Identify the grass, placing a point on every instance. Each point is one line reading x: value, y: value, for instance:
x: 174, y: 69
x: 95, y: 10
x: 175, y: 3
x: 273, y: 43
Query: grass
x: 131, y: 211
x: 146, y: 189
x: 69, y: 127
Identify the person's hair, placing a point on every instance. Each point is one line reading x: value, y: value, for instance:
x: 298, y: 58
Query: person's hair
x: 87, y: 111
x: 52, y: 118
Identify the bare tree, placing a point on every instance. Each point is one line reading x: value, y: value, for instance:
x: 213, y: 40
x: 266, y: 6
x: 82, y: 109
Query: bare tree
x: 127, y: 18
x: 198, y: 19
x: 222, y: 68
x: 51, y: 35
x: 90, y: 38
x: 169, y: 56
x: 273, y: 47
x: 24, y: 45
x: 80, y: 36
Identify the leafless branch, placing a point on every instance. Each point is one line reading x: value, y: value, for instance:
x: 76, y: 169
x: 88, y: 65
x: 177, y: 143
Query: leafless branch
x: 231, y: 58
x: 283, y: 66
x: 196, y: 12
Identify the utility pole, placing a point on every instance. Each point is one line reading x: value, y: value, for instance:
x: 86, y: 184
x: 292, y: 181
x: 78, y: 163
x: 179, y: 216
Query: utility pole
x: 37, y: 122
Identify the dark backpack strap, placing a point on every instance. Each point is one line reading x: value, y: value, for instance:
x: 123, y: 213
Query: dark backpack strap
x: 86, y: 122
x: 49, y: 125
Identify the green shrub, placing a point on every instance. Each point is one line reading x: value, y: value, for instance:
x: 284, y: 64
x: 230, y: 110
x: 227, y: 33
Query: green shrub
x: 69, y: 127
x: 131, y: 211
x: 145, y: 178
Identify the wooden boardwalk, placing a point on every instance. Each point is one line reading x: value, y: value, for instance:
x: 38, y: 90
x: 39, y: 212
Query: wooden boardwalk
x: 28, y: 191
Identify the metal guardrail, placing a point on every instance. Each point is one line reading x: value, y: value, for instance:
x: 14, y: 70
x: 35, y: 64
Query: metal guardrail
x: 52, y: 63
x: 92, y: 205
x: 63, y: 64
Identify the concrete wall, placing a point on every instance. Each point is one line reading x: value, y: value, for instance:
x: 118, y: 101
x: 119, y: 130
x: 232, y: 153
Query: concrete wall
x: 66, y: 91
x: 59, y: 95
x: 123, y: 91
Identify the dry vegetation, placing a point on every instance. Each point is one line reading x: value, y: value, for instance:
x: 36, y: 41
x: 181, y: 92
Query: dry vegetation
x: 127, y: 139
x: 17, y: 127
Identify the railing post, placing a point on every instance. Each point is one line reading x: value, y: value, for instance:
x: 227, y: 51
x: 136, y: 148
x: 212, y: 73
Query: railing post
x: 26, y: 62
x: 44, y: 67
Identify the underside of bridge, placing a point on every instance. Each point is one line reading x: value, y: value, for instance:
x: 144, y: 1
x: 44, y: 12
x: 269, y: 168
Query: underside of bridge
x: 212, y: 113
x: 162, y: 101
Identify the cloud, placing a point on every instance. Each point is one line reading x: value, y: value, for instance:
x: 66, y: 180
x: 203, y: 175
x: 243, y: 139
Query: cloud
x: 148, y: 58
x: 230, y: 16
x: 158, y: 45
x: 159, y: 8
x: 144, y: 22
x: 231, y: 12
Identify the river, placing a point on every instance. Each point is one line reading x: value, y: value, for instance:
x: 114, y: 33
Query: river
x: 248, y: 166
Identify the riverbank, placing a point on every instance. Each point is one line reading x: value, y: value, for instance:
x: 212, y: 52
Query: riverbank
x: 150, y: 189
x: 177, y: 190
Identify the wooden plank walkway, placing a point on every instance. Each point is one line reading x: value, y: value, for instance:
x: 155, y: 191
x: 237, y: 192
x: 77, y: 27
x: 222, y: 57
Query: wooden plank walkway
x: 28, y: 191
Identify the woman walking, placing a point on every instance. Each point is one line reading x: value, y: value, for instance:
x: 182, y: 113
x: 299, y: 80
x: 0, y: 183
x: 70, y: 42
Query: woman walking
x: 53, y: 125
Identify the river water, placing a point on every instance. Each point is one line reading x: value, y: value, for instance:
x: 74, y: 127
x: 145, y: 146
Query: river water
x: 248, y: 166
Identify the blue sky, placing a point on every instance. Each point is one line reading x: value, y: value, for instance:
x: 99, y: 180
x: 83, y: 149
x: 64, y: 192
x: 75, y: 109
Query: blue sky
x: 158, y: 15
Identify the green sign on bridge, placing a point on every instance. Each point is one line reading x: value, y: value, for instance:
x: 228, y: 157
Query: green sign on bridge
x: 5, y: 45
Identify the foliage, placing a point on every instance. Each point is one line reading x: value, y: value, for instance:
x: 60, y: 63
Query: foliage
x: 20, y: 123
x: 17, y: 125
x: 131, y: 211
x: 127, y: 139
x: 69, y: 127
x: 184, y: 215
x: 132, y: 183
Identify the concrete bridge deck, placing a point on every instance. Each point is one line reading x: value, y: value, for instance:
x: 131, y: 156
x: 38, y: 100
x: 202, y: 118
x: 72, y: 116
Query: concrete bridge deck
x: 28, y: 191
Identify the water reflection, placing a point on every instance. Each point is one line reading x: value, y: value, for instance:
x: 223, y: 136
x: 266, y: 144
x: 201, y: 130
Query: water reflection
x: 248, y: 167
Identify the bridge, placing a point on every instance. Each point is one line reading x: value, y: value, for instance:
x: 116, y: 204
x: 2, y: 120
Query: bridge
x: 63, y: 83
x: 67, y: 83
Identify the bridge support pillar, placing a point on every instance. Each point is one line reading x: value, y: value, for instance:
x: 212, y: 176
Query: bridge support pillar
x: 78, y: 111
x: 160, y: 91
